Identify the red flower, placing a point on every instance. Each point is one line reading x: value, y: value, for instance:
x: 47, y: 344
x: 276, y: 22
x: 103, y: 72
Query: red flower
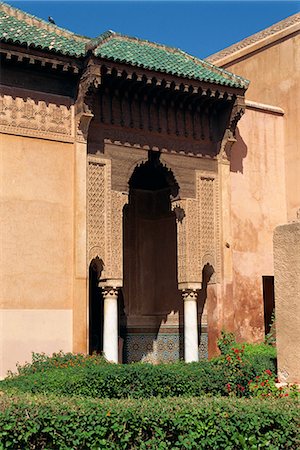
x: 268, y: 372
x: 236, y: 350
x: 262, y: 383
x: 228, y: 387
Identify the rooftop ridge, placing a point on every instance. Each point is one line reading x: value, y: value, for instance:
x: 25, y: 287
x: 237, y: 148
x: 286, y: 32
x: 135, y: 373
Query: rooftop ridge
x: 254, y: 38
x: 40, y: 23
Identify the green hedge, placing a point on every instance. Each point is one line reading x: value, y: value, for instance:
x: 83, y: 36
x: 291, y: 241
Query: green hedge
x: 138, y: 380
x: 31, y: 422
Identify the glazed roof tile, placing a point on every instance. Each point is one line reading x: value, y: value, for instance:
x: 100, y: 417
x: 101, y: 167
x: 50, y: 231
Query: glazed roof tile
x: 160, y: 58
x: 23, y: 29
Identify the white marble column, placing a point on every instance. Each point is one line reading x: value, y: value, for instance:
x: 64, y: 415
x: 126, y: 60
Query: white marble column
x: 110, y: 323
x: 190, y: 325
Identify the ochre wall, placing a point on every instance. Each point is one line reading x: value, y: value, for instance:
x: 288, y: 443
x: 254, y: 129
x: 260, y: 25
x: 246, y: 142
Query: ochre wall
x: 274, y: 74
x: 36, y: 263
x: 257, y: 207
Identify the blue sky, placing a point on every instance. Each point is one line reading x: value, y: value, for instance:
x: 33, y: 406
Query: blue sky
x: 197, y: 27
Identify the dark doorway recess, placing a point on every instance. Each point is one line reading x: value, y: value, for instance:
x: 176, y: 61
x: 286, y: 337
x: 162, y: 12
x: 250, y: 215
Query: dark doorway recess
x: 150, y: 246
x: 269, y: 301
x: 95, y: 311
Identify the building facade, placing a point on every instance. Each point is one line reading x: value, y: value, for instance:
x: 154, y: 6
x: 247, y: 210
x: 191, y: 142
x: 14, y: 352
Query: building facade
x: 138, y: 200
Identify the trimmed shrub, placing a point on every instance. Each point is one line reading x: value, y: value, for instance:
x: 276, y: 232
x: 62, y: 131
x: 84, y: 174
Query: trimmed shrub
x: 124, y: 381
x: 38, y: 422
x: 92, y: 376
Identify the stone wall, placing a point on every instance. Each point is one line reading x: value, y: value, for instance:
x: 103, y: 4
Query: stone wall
x: 287, y: 301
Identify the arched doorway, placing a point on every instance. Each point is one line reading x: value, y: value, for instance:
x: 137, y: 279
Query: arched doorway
x: 95, y: 308
x: 150, y: 255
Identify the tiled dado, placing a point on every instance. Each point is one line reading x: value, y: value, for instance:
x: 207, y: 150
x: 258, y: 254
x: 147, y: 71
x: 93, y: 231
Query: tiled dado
x: 161, y: 348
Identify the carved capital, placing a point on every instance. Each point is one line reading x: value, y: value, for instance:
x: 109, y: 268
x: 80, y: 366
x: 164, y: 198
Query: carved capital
x: 189, y: 295
x: 110, y: 292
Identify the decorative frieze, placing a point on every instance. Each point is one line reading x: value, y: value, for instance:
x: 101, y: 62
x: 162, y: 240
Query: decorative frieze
x: 36, y: 117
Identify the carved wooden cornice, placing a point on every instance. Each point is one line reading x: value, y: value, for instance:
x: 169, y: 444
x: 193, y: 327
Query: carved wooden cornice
x: 39, y: 59
x: 169, y: 82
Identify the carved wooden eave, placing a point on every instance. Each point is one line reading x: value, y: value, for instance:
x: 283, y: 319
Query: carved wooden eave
x: 180, y: 93
x: 38, y: 59
x: 168, y: 81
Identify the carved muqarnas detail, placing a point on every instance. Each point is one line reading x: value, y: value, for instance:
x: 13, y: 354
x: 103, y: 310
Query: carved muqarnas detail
x: 35, y: 116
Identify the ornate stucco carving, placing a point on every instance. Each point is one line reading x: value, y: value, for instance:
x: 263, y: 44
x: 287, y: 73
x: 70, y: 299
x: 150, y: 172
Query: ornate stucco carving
x: 198, y: 233
x: 105, y: 218
x: 118, y: 200
x: 37, y: 117
x: 194, y: 269
x: 208, y: 222
x: 99, y: 211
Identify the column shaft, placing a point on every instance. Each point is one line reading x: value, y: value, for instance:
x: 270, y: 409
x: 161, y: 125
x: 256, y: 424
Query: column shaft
x: 190, y: 326
x: 110, y: 325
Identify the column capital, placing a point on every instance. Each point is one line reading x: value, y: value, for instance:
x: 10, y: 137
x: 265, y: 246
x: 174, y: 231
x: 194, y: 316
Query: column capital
x: 109, y: 291
x: 194, y: 286
x: 113, y: 283
x: 189, y: 294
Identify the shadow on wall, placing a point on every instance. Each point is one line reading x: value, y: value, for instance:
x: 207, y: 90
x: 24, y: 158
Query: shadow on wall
x: 238, y: 153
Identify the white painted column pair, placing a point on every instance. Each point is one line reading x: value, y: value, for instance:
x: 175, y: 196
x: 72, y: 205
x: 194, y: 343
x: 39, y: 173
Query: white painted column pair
x: 191, y: 343
x: 110, y: 322
x: 110, y: 325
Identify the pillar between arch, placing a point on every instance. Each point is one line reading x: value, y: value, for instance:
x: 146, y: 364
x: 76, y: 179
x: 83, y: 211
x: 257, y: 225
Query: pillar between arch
x: 110, y: 291
x: 189, y: 293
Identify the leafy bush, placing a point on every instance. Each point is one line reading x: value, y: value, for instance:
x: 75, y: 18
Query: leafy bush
x: 38, y: 422
x: 42, y: 362
x: 259, y: 356
x: 226, y: 341
x: 139, y: 380
x: 124, y: 381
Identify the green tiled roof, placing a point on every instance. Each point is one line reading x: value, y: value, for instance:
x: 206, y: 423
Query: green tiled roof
x: 160, y: 58
x: 24, y: 29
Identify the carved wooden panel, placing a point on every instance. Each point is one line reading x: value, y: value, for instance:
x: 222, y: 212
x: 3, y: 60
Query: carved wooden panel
x: 37, y: 116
